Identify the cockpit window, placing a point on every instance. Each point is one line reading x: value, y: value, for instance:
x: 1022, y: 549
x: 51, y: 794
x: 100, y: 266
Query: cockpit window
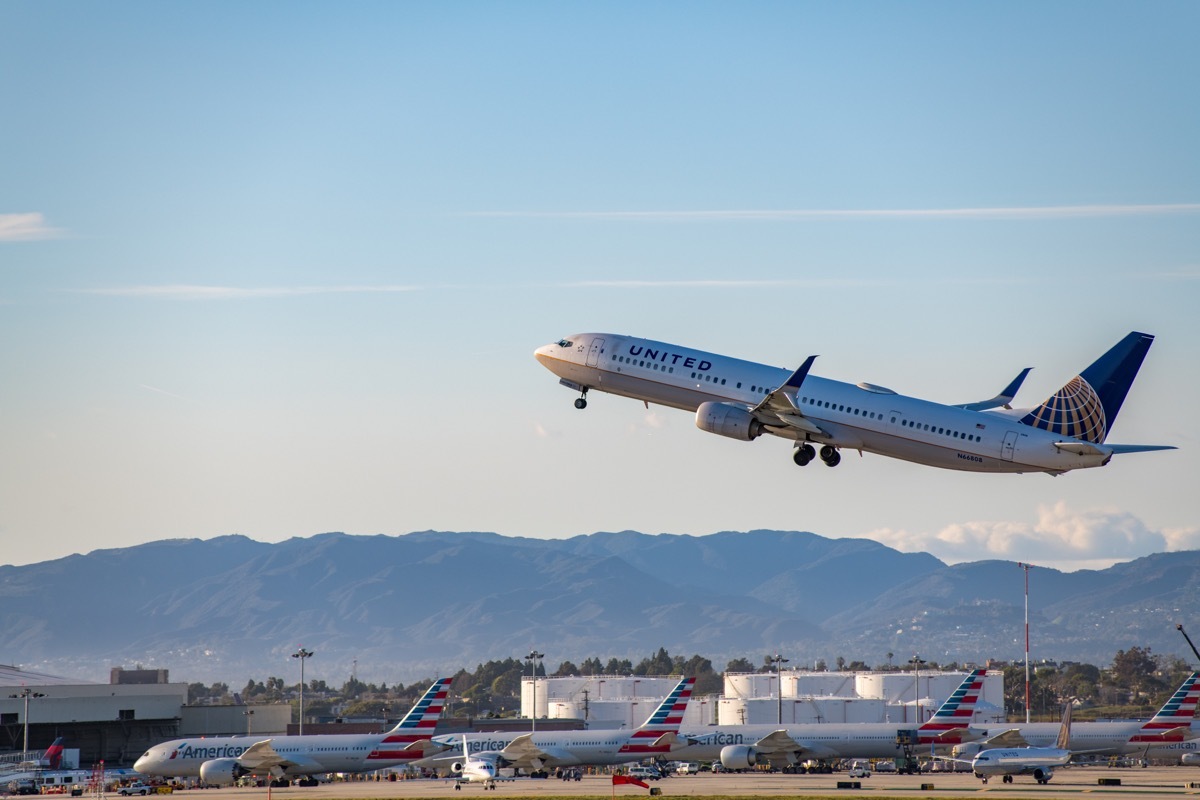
x: 565, y: 343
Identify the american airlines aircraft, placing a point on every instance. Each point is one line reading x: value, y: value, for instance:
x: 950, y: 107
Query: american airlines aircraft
x: 1172, y: 731
x: 221, y: 760
x: 744, y: 746
x: 743, y: 400
x: 537, y: 751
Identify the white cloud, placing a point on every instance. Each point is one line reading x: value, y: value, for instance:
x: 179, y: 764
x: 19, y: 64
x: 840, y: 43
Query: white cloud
x: 26, y: 228
x: 1021, y: 212
x: 194, y: 292
x: 1060, y: 537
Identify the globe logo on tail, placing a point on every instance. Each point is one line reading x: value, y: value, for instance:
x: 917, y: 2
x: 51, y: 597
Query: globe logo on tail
x: 1075, y: 411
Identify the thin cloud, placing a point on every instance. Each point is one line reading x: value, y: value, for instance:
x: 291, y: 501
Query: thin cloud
x: 1059, y: 537
x: 26, y: 228
x: 195, y: 292
x: 150, y: 388
x: 988, y: 213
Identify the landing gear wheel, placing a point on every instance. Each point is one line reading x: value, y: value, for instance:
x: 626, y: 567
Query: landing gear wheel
x: 1007, y: 779
x: 803, y: 455
x: 830, y: 456
x: 581, y: 403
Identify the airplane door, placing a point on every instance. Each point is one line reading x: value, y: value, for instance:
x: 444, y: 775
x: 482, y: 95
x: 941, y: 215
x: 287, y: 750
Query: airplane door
x: 594, y: 354
x: 1010, y: 444
x: 895, y: 421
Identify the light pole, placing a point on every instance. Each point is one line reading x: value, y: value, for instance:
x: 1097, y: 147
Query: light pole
x: 1026, y: 568
x: 916, y: 662
x: 302, y: 654
x: 26, y: 693
x: 534, y: 657
x: 249, y: 715
x: 778, y: 661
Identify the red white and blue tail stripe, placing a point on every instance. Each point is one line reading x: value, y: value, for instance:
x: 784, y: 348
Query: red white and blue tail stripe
x: 1173, y: 721
x: 417, y: 726
x: 664, y: 722
x: 953, y: 717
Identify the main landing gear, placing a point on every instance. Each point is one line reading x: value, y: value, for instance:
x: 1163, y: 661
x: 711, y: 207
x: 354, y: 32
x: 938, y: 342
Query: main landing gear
x: 805, y: 453
x: 581, y: 401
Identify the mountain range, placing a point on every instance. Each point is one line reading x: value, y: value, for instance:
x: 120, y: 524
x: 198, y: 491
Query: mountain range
x: 402, y: 608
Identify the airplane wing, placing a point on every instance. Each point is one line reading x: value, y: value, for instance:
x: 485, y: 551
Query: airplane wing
x: 263, y: 756
x: 522, y: 752
x: 1007, y: 739
x: 780, y: 407
x: 777, y: 742
x: 1183, y: 730
x: 1001, y: 400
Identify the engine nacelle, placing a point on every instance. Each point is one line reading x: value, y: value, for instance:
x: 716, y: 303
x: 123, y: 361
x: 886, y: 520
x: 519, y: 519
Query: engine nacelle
x: 738, y: 756
x: 728, y: 419
x: 1043, y: 774
x: 1190, y: 759
x: 456, y: 768
x: 222, y: 771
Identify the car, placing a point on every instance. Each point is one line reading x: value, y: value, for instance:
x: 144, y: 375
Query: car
x: 135, y: 788
x: 687, y: 768
x: 645, y: 773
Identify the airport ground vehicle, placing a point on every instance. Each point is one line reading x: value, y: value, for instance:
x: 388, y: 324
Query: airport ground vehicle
x: 687, y: 768
x: 643, y: 772
x: 135, y: 788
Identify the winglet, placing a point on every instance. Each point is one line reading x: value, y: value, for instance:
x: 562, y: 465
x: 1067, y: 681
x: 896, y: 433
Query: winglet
x: 799, y: 375
x: 1004, y: 398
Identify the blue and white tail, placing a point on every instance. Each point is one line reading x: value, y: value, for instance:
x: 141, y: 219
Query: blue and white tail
x: 404, y: 742
x: 655, y: 733
x: 1087, y: 407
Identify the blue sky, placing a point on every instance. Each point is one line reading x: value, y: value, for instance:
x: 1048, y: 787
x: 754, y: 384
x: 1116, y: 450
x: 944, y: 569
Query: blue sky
x: 279, y: 268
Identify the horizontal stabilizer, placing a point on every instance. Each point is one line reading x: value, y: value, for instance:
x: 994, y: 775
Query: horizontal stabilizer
x: 1004, y: 398
x: 1139, y: 448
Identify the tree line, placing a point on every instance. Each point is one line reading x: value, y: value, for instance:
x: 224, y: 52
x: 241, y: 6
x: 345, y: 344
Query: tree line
x: 1137, y: 682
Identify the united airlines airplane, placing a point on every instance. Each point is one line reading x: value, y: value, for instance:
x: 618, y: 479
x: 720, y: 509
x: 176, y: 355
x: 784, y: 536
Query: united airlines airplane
x: 743, y: 400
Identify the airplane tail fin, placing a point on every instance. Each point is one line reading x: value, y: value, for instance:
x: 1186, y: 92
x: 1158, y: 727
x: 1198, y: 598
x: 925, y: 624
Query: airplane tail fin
x: 1173, y: 721
x: 959, y: 708
x: 422, y: 717
x: 1064, y: 733
x: 665, y: 719
x: 52, y: 758
x: 1087, y: 406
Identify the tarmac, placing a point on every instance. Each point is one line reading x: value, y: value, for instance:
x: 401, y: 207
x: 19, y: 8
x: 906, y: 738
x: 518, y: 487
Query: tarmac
x: 1072, y: 781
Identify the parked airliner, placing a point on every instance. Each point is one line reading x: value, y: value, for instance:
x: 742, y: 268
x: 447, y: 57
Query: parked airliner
x: 221, y: 760
x: 743, y: 400
x: 535, y: 752
x: 1170, y: 732
x: 745, y: 746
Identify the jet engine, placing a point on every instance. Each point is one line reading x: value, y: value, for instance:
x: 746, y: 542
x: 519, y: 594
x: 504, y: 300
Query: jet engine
x: 221, y: 771
x: 728, y: 419
x: 966, y: 750
x: 1042, y: 774
x: 456, y: 768
x: 738, y: 756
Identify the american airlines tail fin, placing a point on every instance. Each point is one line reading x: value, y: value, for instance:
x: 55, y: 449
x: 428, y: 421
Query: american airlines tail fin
x: 418, y: 724
x: 1173, y: 721
x: 665, y: 719
x: 955, y: 714
x: 1087, y: 407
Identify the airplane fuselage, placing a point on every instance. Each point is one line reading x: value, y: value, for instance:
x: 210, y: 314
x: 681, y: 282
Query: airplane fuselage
x: 852, y: 416
x: 181, y: 758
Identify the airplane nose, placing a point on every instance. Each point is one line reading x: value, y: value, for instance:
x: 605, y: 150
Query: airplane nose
x: 542, y: 353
